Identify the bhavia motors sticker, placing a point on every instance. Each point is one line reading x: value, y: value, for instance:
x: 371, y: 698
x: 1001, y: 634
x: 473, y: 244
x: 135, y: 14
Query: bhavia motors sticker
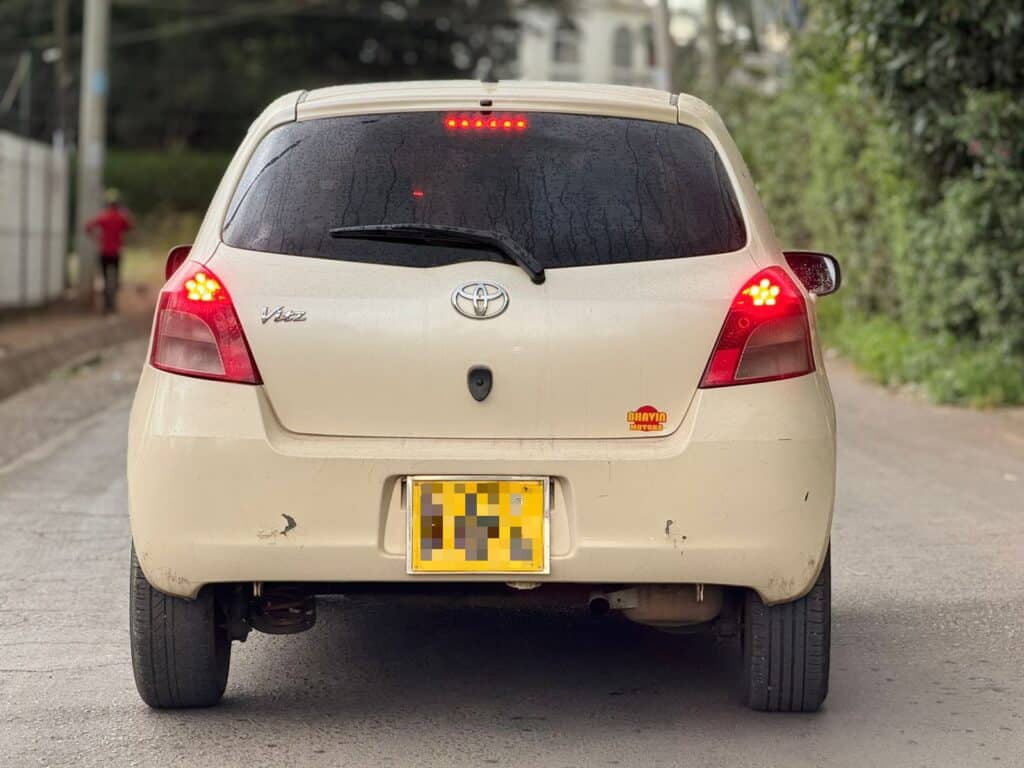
x: 646, y: 418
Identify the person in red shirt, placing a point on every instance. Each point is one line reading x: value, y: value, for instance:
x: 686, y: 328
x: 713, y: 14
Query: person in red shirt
x: 109, y: 226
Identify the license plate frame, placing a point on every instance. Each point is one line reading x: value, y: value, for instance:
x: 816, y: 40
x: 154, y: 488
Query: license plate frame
x: 413, y: 552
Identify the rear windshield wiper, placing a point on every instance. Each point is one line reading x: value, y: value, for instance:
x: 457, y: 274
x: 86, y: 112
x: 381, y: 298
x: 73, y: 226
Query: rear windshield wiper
x: 440, y: 234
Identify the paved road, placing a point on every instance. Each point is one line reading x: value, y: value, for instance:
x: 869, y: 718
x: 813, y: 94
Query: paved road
x: 928, y: 661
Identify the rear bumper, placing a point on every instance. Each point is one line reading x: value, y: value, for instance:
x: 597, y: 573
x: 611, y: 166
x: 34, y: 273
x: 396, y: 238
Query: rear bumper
x: 741, y: 494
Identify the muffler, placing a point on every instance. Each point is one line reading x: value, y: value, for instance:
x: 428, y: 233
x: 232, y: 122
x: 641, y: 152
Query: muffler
x: 666, y: 606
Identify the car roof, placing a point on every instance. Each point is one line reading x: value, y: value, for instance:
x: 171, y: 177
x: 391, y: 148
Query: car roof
x: 512, y: 95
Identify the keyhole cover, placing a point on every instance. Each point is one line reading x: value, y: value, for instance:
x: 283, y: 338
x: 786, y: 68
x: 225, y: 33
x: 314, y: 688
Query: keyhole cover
x: 480, y: 379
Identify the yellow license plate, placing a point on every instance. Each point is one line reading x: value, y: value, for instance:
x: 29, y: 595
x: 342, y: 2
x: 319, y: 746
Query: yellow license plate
x: 477, y: 525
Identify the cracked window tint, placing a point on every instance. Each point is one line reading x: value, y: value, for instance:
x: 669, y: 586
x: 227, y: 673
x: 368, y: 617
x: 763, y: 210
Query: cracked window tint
x: 573, y: 190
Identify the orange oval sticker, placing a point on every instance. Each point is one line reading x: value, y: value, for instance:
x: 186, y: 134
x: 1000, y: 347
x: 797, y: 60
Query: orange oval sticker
x: 646, y: 418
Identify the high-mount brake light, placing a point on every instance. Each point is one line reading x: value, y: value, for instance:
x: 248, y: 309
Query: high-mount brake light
x: 494, y: 124
x: 197, y: 332
x: 765, y: 337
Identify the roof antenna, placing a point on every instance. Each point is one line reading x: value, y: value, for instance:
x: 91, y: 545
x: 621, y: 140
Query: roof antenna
x: 487, y: 74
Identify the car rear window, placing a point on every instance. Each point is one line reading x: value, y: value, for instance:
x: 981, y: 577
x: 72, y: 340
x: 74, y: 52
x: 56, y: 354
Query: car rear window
x: 573, y: 190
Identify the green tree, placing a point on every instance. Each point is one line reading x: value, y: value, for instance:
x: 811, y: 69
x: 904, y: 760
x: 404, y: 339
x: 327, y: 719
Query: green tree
x: 190, y: 73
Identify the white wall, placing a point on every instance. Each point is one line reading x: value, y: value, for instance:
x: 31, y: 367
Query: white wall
x: 33, y: 221
x: 596, y: 22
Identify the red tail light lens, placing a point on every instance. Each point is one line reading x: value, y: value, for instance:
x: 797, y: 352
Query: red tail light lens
x: 197, y: 332
x: 765, y: 336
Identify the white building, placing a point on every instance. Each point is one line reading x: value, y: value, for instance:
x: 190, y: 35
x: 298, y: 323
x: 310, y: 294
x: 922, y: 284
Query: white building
x: 612, y: 41
x: 603, y: 41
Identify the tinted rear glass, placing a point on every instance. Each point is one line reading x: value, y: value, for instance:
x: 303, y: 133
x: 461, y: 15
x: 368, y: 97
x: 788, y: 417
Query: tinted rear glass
x: 573, y: 190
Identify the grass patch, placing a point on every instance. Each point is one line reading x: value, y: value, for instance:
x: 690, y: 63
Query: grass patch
x: 146, y: 248
x: 945, y: 370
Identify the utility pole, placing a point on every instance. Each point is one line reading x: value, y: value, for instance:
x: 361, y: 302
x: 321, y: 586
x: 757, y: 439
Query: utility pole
x: 712, y: 61
x: 663, y: 45
x: 92, y: 129
x: 25, y: 95
x: 60, y: 30
x: 60, y: 133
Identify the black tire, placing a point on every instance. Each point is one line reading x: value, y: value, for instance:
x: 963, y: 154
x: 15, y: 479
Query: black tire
x: 786, y: 649
x: 181, y: 650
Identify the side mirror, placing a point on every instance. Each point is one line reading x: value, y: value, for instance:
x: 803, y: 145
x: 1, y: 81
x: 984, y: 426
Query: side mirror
x: 175, y: 258
x: 819, y: 272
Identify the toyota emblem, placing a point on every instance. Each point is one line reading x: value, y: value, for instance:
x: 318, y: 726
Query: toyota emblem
x: 480, y: 300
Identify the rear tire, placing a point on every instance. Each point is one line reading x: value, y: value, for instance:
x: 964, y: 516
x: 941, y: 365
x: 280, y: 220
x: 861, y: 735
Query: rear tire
x: 181, y: 650
x: 786, y: 649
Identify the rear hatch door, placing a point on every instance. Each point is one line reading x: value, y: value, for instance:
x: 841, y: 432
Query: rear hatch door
x: 635, y: 222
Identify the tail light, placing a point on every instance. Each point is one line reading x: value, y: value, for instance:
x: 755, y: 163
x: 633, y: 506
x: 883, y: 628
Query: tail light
x: 197, y: 332
x: 765, y: 336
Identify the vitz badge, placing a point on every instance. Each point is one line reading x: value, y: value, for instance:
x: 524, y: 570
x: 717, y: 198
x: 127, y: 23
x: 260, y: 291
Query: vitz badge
x: 282, y: 315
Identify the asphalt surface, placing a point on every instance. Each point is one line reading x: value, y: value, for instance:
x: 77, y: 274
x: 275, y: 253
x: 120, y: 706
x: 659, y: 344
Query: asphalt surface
x: 928, y: 630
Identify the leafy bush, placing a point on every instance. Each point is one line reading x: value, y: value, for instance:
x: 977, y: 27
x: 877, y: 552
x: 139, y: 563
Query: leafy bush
x: 877, y: 152
x: 925, y: 60
x: 966, y: 274
x: 177, y: 180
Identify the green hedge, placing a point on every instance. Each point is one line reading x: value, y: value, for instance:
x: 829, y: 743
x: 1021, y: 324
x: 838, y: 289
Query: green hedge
x: 927, y: 218
x: 174, y: 181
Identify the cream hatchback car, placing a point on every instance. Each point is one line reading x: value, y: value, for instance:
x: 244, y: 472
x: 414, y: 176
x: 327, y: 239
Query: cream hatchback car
x: 533, y: 342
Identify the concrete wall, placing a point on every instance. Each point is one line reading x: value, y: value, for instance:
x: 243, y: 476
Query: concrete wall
x: 33, y: 221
